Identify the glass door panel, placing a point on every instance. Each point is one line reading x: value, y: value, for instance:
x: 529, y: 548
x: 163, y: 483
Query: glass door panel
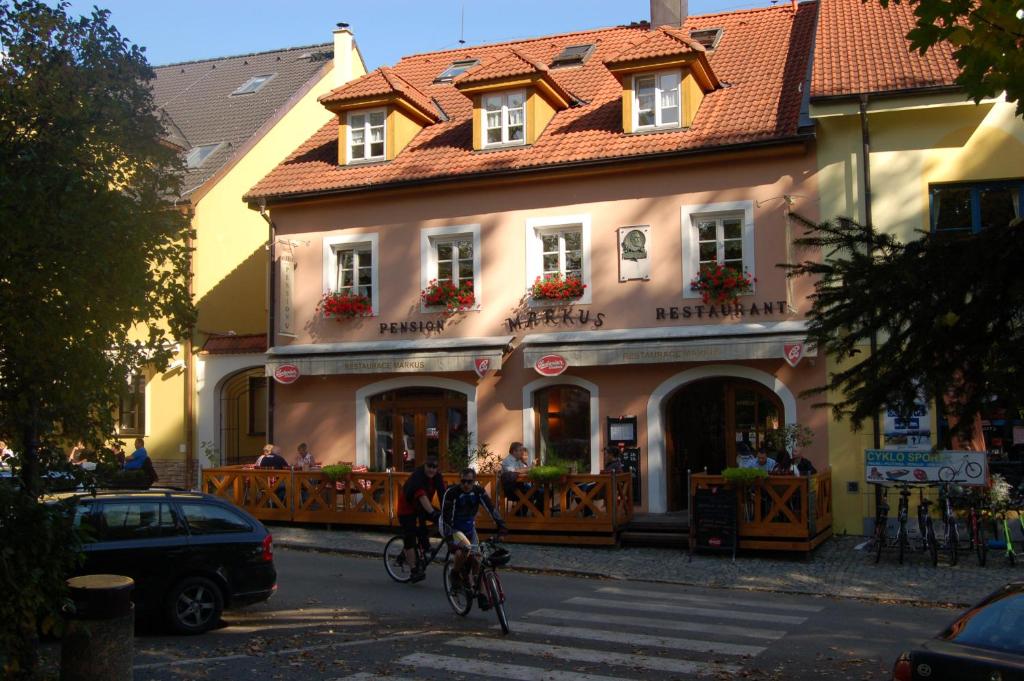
x: 407, y: 441
x: 432, y: 433
x: 383, y: 455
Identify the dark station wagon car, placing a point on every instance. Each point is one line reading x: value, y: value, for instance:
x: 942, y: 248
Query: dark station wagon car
x: 191, y: 555
x: 986, y: 643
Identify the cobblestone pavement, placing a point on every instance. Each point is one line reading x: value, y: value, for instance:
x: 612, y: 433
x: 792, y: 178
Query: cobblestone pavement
x: 835, y: 569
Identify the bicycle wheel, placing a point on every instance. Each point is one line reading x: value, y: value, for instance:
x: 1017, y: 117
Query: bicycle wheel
x: 980, y: 545
x: 459, y: 597
x: 497, y: 599
x: 395, y: 563
x: 952, y: 540
x: 946, y: 474
x: 973, y: 470
x: 879, y: 541
x: 933, y: 544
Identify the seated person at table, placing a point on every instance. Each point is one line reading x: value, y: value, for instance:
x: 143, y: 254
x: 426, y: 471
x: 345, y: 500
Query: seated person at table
x: 136, y: 460
x: 271, y: 458
x: 304, y: 460
x: 459, y: 507
x: 802, y: 466
x: 762, y: 461
x: 745, y: 455
x: 614, y: 463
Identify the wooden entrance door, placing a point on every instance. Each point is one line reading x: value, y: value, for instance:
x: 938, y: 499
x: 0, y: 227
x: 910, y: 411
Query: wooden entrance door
x: 408, y: 425
x: 705, y: 423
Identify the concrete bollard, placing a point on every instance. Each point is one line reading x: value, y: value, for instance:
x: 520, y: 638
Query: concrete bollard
x: 98, y: 644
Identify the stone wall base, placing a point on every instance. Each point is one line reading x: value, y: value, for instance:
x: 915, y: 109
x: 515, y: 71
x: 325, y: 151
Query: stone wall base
x: 174, y: 474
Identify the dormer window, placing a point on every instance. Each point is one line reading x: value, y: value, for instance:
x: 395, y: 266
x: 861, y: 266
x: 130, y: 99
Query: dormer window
x: 656, y: 100
x: 366, y: 135
x: 455, y: 69
x: 505, y: 118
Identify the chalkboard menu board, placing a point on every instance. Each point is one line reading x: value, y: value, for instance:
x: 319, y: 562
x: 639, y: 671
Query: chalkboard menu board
x: 631, y: 464
x: 713, y: 519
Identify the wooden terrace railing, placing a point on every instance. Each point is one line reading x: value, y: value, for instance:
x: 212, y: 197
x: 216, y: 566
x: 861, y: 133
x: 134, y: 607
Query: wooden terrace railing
x: 781, y: 512
x: 583, y: 508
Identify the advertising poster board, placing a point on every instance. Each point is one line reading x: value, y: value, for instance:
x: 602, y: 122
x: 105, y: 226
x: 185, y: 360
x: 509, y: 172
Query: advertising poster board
x: 915, y: 466
x: 713, y: 519
x: 909, y: 431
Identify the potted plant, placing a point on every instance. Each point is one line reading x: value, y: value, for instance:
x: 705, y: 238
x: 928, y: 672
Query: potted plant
x: 449, y: 295
x: 555, y: 287
x: 744, y: 479
x: 721, y: 284
x: 344, y: 305
x: 336, y: 472
x: 548, y: 473
x: 788, y: 439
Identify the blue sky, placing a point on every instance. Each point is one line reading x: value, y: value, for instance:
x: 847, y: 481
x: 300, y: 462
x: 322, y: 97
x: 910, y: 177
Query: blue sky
x: 181, y: 30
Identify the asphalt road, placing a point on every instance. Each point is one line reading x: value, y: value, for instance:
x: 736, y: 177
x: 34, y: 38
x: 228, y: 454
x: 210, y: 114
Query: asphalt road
x: 337, y: 617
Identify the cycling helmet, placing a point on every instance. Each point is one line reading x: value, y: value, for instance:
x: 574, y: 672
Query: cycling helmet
x: 499, y: 557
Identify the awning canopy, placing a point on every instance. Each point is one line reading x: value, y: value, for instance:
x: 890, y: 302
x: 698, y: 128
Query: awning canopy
x: 381, y: 357
x: 697, y: 343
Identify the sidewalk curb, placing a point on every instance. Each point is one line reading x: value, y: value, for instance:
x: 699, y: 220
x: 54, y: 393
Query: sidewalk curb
x: 362, y: 553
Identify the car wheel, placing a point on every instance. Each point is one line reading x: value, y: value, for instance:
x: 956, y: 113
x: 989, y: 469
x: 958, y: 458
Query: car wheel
x: 194, y: 605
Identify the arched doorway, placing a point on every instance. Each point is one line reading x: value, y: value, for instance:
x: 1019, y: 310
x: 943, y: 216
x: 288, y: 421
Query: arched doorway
x: 243, y: 417
x: 408, y: 424
x: 708, y: 420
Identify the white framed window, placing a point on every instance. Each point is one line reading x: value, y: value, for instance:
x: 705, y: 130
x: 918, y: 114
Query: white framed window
x: 451, y: 253
x: 350, y: 266
x: 559, y: 245
x: 504, y: 118
x: 717, y: 232
x: 656, y: 100
x: 366, y: 135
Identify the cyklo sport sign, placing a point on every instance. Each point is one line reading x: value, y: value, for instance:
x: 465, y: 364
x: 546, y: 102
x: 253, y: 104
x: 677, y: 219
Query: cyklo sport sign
x: 915, y: 466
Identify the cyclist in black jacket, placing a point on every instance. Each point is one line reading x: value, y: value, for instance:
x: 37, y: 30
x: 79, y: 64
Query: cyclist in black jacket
x: 458, y: 514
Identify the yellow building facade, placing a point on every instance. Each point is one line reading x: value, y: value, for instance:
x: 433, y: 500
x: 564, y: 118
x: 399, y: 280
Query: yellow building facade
x: 922, y: 134
x: 210, y: 402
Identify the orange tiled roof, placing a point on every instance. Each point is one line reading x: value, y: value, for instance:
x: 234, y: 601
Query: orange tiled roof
x: 861, y: 48
x: 663, y: 42
x: 514, y: 63
x: 234, y: 345
x: 761, y: 61
x: 382, y: 81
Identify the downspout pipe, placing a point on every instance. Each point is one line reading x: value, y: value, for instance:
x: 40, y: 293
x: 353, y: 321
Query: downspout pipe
x: 271, y: 310
x: 865, y: 142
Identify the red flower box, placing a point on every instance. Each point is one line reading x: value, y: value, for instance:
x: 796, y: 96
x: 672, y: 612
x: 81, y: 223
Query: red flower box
x: 452, y: 297
x: 554, y: 287
x: 719, y: 284
x: 343, y: 306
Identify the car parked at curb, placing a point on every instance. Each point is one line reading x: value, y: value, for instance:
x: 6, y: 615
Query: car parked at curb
x: 986, y: 643
x: 191, y: 555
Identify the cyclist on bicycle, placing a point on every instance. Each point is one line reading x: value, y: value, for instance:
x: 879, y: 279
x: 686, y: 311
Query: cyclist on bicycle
x: 459, y: 507
x: 415, y: 507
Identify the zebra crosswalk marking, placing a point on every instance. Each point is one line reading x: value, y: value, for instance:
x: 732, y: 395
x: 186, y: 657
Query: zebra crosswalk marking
x: 490, y: 670
x: 688, y: 610
x: 741, y: 602
x: 368, y: 676
x: 594, y: 656
x: 687, y: 644
x: 626, y: 620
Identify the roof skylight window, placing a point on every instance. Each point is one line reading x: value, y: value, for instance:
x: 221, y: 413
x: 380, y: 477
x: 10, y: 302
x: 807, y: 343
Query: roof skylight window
x: 573, y: 55
x: 456, y: 69
x: 198, y: 155
x: 254, y: 84
x: 708, y: 37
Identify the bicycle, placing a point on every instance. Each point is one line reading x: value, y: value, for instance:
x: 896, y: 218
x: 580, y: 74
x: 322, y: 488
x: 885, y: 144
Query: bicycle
x: 976, y: 530
x: 951, y: 533
x: 397, y: 565
x: 484, y: 586
x: 926, y: 527
x: 881, y: 521
x: 950, y: 474
x: 902, y: 536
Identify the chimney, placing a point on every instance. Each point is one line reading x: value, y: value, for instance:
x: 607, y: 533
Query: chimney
x: 342, y: 71
x: 668, y: 12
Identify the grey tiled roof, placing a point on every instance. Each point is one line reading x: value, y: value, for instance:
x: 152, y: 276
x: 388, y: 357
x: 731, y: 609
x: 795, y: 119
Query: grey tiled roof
x: 198, y: 107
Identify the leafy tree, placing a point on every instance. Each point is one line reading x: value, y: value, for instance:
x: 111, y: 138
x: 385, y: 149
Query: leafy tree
x: 948, y: 313
x: 988, y: 41
x: 93, y: 284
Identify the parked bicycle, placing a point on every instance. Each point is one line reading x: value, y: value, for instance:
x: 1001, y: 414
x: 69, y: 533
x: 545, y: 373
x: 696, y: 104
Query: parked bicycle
x: 926, y: 527
x: 397, y: 565
x: 484, y: 585
x: 976, y: 532
x: 902, y: 515
x: 950, y: 531
x: 881, y: 522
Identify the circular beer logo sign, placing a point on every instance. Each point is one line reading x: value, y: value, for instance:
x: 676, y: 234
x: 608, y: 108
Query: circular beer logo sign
x: 551, y: 365
x: 286, y: 373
